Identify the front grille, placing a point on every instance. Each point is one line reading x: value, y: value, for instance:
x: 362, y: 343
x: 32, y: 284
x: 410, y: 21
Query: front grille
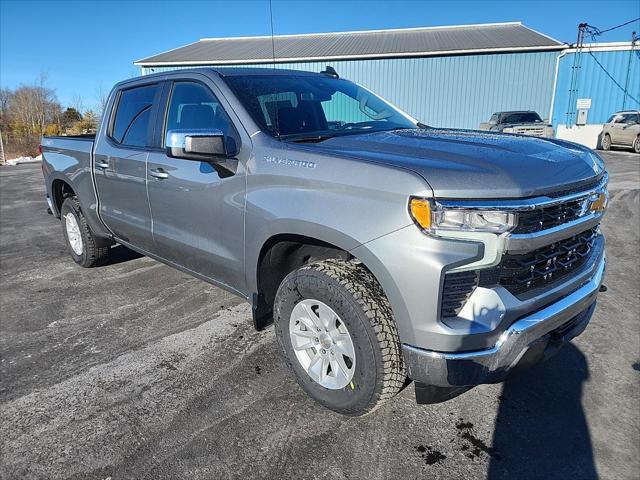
x: 542, y: 267
x: 532, y: 131
x: 458, y: 287
x: 549, y: 216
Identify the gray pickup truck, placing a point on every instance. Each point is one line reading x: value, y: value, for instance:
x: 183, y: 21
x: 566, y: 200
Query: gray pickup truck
x: 521, y: 122
x: 382, y: 250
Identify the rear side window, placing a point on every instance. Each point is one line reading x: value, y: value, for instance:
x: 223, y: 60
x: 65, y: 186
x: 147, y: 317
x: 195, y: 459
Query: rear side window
x: 131, y: 122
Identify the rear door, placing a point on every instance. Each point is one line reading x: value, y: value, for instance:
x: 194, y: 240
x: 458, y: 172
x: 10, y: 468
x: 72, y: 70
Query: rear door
x: 197, y: 206
x: 120, y: 165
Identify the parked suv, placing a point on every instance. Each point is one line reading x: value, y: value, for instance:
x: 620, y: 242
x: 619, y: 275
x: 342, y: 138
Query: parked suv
x: 622, y: 130
x: 381, y: 249
x: 521, y: 122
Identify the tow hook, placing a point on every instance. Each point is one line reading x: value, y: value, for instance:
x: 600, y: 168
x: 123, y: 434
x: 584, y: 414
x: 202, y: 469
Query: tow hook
x: 603, y: 288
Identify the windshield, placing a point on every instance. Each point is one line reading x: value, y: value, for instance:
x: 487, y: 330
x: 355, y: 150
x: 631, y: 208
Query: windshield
x: 520, y: 117
x: 301, y: 106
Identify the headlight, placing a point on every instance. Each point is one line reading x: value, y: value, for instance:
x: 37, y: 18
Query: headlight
x: 433, y: 217
x: 507, y: 130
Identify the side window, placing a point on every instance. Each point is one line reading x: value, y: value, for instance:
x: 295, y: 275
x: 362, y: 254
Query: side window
x: 193, y: 106
x: 630, y: 118
x: 132, y: 117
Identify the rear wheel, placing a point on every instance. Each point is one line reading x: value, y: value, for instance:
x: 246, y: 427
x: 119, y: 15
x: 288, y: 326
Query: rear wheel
x: 335, y: 328
x: 606, y: 142
x: 84, y: 247
x: 636, y: 144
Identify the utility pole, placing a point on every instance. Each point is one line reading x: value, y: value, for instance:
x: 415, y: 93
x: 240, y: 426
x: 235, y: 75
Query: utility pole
x: 575, y: 76
x: 2, y: 157
x: 634, y: 40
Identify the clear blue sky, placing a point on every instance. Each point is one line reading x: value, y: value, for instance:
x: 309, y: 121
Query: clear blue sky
x: 85, y: 45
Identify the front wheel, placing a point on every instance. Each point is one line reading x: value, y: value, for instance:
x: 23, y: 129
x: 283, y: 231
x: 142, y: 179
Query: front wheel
x: 636, y: 145
x: 335, y: 328
x: 606, y: 142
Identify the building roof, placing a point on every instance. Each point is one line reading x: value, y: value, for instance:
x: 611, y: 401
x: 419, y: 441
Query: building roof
x: 406, y: 42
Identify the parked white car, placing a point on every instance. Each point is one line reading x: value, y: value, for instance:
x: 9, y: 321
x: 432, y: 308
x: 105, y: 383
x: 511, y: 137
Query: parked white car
x: 622, y: 130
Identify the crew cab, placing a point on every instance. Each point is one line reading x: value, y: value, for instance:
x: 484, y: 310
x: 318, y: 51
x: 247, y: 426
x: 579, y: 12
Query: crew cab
x: 381, y: 249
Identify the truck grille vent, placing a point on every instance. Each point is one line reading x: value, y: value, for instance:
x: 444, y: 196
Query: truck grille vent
x: 458, y: 287
x: 548, y: 217
x: 541, y: 267
x: 532, y: 131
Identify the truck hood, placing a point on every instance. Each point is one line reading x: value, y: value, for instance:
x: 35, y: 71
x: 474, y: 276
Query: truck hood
x: 475, y: 164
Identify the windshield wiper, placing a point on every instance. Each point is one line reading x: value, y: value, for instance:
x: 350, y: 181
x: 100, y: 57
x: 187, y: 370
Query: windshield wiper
x: 302, y: 138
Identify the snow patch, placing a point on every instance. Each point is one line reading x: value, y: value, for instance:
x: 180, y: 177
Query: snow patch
x: 16, y: 161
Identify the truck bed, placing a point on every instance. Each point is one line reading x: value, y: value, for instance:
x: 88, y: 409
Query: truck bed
x: 68, y: 144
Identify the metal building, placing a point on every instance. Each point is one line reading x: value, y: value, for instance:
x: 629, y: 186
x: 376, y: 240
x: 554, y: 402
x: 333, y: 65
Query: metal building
x: 450, y: 76
x: 592, y: 83
x: 444, y: 76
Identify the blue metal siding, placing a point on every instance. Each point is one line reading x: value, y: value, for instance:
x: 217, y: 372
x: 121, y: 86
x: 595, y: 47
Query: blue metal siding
x: 593, y: 82
x: 456, y: 91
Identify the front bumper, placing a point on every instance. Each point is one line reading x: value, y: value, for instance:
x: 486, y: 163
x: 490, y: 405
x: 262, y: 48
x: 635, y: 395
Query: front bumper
x: 526, y: 342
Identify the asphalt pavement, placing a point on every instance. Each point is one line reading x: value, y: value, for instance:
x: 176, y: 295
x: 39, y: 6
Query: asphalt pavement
x: 135, y: 370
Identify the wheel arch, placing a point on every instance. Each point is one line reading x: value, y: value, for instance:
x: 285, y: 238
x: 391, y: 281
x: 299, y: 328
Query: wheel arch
x: 61, y: 188
x: 279, y: 255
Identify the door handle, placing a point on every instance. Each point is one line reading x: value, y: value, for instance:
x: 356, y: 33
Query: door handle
x: 102, y: 165
x: 159, y: 173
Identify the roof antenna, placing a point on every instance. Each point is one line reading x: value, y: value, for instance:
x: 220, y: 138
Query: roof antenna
x: 273, y: 54
x: 330, y: 71
x: 273, y: 42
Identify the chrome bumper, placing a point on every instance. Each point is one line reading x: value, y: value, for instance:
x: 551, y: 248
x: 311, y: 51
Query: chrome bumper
x: 526, y: 341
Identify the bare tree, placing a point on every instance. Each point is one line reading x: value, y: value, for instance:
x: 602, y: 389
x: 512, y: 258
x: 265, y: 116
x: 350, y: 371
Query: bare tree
x: 102, y: 96
x: 27, y: 112
x: 77, y: 103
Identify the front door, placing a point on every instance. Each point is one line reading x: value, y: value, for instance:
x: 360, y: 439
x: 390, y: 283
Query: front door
x: 629, y: 130
x: 121, y: 166
x: 197, y: 206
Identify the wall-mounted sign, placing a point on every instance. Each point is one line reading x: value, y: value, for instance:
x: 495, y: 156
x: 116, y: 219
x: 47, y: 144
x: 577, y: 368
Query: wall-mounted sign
x: 583, y: 103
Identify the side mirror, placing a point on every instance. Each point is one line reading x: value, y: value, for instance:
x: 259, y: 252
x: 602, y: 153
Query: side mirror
x: 196, y: 144
x: 493, y: 122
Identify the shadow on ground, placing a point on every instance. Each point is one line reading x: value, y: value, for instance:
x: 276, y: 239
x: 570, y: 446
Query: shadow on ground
x: 121, y: 254
x: 541, y: 429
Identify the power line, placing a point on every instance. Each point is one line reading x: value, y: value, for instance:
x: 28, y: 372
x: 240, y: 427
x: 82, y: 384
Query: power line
x: 618, y: 26
x: 594, y: 31
x: 613, y: 79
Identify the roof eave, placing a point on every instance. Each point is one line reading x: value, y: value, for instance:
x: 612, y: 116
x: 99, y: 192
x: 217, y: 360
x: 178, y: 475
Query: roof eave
x: 439, y: 53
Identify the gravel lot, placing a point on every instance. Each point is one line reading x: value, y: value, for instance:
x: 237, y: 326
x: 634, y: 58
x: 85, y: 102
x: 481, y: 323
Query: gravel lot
x: 136, y: 370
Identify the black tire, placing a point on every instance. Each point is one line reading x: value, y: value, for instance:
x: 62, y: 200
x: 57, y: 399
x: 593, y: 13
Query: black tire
x: 636, y: 144
x: 95, y: 251
x: 354, y: 294
x: 606, y: 142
